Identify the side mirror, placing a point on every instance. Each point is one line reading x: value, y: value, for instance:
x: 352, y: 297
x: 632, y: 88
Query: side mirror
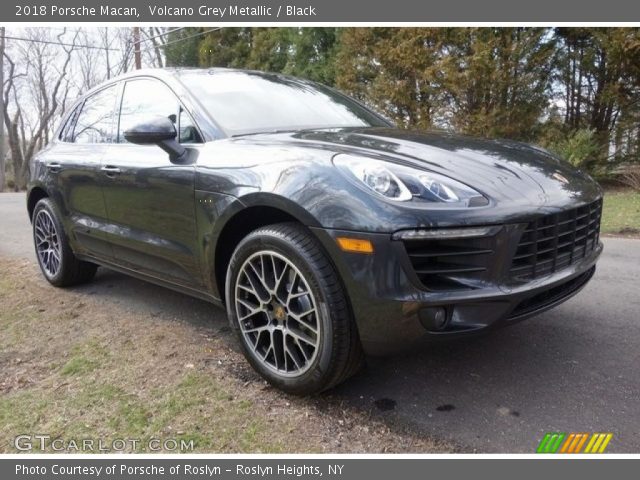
x: 157, y: 131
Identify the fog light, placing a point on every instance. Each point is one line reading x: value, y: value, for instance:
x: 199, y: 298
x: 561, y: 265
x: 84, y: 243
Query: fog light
x: 433, y: 319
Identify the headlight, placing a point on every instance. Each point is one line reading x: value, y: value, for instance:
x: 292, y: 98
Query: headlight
x: 400, y: 183
x: 375, y: 175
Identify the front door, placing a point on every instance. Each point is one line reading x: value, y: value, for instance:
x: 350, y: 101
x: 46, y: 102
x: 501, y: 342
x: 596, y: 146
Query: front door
x: 150, y: 201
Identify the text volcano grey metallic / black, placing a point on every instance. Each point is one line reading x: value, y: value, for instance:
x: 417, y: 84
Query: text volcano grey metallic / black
x: 325, y: 232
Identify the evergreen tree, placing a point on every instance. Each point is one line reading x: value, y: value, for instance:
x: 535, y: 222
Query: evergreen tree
x: 394, y: 69
x: 183, y: 47
x: 497, y: 81
x: 573, y: 89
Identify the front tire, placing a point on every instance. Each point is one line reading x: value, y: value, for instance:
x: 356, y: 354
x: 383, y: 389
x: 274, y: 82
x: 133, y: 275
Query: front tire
x: 56, y: 259
x: 288, y: 307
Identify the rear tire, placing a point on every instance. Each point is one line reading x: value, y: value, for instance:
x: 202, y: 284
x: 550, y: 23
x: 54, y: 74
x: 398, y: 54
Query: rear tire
x: 56, y: 259
x: 288, y: 307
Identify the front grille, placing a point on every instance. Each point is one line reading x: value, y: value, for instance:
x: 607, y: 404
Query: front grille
x: 450, y: 264
x: 554, y: 242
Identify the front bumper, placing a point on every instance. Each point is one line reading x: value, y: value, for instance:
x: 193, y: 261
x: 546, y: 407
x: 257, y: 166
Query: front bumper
x: 390, y: 303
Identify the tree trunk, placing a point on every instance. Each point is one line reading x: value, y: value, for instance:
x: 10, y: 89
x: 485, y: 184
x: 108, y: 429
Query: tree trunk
x: 2, y: 107
x: 579, y: 87
x: 136, y: 48
x: 156, y: 44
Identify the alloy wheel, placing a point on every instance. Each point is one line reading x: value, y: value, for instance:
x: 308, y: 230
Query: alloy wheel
x: 277, y: 313
x: 47, y: 243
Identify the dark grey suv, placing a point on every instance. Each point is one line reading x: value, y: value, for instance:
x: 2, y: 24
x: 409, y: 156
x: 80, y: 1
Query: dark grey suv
x: 325, y: 231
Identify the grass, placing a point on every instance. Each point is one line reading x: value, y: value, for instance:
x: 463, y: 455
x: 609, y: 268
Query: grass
x: 94, y: 393
x: 621, y: 212
x: 75, y: 367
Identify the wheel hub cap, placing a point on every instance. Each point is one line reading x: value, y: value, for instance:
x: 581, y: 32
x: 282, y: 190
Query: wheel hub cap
x: 279, y: 313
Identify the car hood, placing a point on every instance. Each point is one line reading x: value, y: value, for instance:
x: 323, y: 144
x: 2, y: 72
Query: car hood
x: 504, y: 171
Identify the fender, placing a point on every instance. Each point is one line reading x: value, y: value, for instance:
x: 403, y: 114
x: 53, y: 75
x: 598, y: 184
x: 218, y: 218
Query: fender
x: 33, y: 195
x: 268, y: 199
x: 216, y: 213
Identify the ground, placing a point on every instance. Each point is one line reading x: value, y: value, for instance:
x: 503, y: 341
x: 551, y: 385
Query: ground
x: 123, y: 357
x: 75, y: 365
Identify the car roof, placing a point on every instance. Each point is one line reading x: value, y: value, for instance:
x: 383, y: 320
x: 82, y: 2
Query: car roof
x: 170, y: 73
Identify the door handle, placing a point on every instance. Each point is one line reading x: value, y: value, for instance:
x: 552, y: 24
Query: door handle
x: 110, y: 170
x: 53, y: 167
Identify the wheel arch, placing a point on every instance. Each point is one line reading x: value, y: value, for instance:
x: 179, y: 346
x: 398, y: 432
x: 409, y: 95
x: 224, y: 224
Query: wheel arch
x: 36, y: 194
x: 246, y: 215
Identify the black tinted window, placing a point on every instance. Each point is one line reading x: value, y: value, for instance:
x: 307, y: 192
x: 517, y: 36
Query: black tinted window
x: 245, y: 102
x: 188, y: 133
x: 95, y: 122
x: 66, y: 132
x: 144, y: 99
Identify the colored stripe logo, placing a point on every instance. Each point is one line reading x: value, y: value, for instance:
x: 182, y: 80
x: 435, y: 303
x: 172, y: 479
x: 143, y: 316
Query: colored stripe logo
x: 574, y: 443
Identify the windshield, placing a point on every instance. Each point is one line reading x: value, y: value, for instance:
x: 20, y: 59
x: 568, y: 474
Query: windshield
x: 251, y: 102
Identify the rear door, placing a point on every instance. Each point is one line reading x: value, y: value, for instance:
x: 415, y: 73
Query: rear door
x: 74, y: 163
x: 150, y: 201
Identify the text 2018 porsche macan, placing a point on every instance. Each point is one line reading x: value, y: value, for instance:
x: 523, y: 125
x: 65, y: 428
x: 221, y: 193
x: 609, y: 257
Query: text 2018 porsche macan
x: 324, y: 230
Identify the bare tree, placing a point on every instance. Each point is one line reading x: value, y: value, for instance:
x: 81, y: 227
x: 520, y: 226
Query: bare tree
x: 88, y: 64
x: 156, y: 36
x: 126, y: 44
x: 47, y: 68
x: 106, y: 44
x: 2, y: 136
x: 34, y: 95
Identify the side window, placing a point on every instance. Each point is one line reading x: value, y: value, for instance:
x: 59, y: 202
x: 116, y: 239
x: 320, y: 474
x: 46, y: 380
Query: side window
x: 146, y: 98
x: 187, y: 131
x: 66, y: 132
x: 95, y: 121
